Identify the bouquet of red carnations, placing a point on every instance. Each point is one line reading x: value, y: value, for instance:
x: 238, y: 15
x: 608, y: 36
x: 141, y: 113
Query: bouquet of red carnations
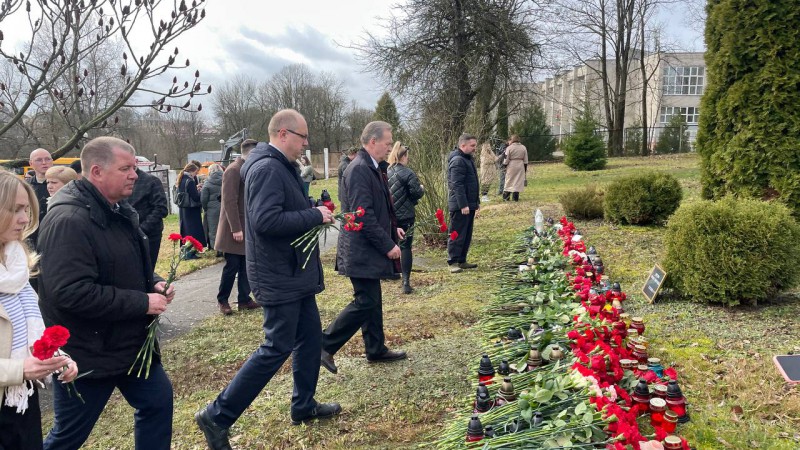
x: 48, y: 346
x: 310, y: 239
x: 182, y: 246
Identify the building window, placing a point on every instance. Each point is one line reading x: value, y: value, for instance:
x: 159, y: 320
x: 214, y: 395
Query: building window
x: 684, y: 80
x: 690, y: 114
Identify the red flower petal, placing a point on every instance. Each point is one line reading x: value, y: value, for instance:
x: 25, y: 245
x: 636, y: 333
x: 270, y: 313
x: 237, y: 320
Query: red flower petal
x: 360, y: 212
x: 454, y: 235
x: 175, y: 237
x: 56, y: 335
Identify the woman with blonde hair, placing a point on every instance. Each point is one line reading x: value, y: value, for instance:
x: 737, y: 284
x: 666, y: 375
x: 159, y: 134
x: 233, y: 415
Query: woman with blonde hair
x: 188, y: 201
x: 57, y: 177
x: 21, y: 321
x: 406, y: 192
x: 516, y: 162
x: 211, y: 200
x: 488, y: 170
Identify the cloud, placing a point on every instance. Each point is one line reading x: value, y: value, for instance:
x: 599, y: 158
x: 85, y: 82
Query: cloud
x: 306, y: 41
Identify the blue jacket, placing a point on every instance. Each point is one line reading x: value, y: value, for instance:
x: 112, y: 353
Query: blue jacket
x: 276, y: 213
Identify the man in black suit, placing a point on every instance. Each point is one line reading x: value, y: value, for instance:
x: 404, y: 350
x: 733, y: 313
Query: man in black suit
x: 150, y: 201
x: 368, y: 255
x: 277, y: 214
x: 463, y: 201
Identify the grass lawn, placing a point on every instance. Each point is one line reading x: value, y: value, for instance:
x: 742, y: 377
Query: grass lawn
x: 737, y: 399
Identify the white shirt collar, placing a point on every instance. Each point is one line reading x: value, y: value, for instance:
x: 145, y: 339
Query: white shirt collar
x: 373, y: 161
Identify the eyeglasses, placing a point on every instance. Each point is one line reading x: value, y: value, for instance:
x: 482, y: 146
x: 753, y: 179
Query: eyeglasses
x: 301, y: 136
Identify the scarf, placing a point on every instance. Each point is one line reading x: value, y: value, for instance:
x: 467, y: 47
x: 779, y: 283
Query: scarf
x: 21, y: 304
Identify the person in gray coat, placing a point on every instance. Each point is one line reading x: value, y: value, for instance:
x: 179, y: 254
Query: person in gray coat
x: 406, y: 192
x: 211, y: 199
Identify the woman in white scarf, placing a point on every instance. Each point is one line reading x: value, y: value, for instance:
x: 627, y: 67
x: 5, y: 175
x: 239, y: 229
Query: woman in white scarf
x: 21, y: 322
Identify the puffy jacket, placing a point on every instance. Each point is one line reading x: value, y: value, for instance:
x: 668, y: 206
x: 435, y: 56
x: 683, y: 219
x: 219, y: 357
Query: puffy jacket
x: 276, y: 214
x: 406, y: 191
x: 150, y: 201
x: 462, y: 181
x: 362, y: 254
x: 95, y: 276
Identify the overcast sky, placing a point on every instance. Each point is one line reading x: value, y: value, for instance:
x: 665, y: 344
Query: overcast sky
x: 259, y: 37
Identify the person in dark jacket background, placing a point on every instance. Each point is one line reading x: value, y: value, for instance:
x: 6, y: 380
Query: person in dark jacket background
x: 191, y: 220
x: 99, y: 284
x: 211, y: 201
x: 150, y: 201
x: 463, y: 201
x: 406, y: 192
x: 347, y: 156
x: 230, y: 236
x: 40, y: 160
x: 278, y: 212
x: 368, y: 255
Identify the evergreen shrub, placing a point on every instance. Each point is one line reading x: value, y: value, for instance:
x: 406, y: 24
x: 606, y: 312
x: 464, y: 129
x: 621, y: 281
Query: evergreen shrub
x: 584, y: 149
x: 583, y: 203
x: 731, y: 251
x: 642, y: 199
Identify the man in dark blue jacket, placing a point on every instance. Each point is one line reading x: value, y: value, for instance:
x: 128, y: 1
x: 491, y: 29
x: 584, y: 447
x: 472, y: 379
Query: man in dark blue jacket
x: 367, y: 255
x: 463, y: 201
x: 277, y: 213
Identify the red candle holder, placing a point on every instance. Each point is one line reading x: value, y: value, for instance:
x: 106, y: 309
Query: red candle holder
x: 658, y: 406
x: 670, y: 422
x: 485, y: 370
x: 672, y: 442
x: 474, y: 430
x: 637, y: 323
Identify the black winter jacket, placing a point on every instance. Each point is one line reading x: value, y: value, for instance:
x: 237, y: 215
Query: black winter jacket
x: 362, y: 254
x: 406, y: 191
x: 344, y: 161
x: 95, y: 276
x: 277, y: 213
x: 40, y: 189
x: 462, y: 182
x: 150, y: 201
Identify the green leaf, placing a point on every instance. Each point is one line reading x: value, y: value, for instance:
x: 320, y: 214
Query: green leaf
x: 550, y: 443
x: 526, y: 414
x: 564, y: 441
x: 580, y: 409
x: 543, y: 395
x: 560, y: 423
x: 588, y: 418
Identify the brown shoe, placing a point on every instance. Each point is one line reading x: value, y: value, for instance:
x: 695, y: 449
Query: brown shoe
x: 455, y: 269
x: 251, y: 304
x: 225, y: 309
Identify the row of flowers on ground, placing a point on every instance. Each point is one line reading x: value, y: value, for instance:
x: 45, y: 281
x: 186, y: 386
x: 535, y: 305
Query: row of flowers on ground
x: 563, y: 365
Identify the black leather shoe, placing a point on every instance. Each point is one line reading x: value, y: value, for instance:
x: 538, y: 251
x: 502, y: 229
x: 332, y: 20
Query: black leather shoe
x: 326, y: 361
x: 216, y: 436
x: 321, y: 411
x: 388, y: 356
x: 407, y: 289
x: 466, y: 265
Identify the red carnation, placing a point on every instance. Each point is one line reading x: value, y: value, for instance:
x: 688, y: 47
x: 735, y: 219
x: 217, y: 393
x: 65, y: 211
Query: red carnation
x: 443, y: 228
x: 360, y: 212
x: 195, y: 243
x: 175, y: 237
x: 56, y: 335
x: 349, y: 218
x: 52, y: 338
x: 358, y: 226
x: 348, y: 226
x: 454, y: 235
x: 330, y: 205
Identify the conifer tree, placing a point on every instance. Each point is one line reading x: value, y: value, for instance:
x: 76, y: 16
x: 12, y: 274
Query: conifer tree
x: 386, y: 110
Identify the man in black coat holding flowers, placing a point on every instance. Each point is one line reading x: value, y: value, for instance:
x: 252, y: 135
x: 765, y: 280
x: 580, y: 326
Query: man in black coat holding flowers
x: 367, y: 255
x: 97, y: 281
x: 277, y: 213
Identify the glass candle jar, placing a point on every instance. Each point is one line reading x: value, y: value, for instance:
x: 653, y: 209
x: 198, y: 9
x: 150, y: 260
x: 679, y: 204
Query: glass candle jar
x: 474, y: 429
x: 655, y: 365
x: 630, y: 364
x: 637, y: 323
x: 640, y: 353
x: 657, y: 408
x: 660, y: 391
x: 670, y: 421
x: 672, y: 442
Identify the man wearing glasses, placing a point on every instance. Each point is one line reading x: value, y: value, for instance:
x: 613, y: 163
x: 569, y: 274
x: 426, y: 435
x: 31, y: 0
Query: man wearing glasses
x: 277, y: 213
x: 40, y: 160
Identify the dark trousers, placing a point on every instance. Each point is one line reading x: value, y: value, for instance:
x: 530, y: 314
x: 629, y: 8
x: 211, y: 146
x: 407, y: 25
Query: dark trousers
x: 457, y: 248
x: 289, y: 329
x: 234, y: 265
x: 154, y: 243
x: 502, y: 175
x: 150, y: 397
x: 406, y: 257
x: 365, y: 312
x: 21, y: 431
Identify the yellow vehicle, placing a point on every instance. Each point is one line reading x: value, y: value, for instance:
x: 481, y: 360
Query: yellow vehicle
x: 21, y: 171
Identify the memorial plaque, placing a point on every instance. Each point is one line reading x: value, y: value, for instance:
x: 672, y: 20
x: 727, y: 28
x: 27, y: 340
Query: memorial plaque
x: 653, y: 283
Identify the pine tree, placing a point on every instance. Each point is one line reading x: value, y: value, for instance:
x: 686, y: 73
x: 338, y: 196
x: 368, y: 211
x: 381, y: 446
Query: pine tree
x: 674, y: 138
x: 584, y: 149
x: 534, y: 133
x: 386, y: 110
x: 750, y: 121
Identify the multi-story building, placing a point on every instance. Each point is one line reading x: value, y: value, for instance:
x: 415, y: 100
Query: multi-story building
x: 675, y: 83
